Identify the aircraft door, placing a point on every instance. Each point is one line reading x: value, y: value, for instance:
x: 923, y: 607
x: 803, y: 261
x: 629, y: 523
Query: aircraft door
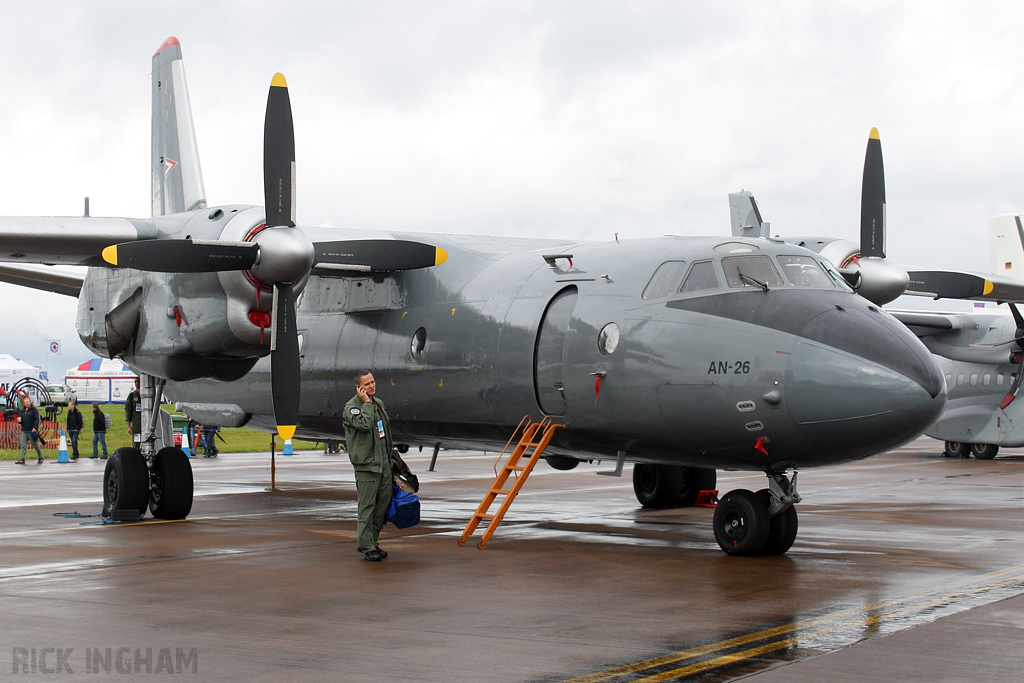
x: 549, y: 352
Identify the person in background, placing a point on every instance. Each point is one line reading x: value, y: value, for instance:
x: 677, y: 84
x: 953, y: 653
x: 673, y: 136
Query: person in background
x: 99, y: 431
x: 210, y: 441
x: 133, y: 414
x: 74, y: 424
x: 30, y: 422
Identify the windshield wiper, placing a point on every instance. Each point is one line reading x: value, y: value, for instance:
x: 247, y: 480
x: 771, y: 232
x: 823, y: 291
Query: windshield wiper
x: 751, y: 281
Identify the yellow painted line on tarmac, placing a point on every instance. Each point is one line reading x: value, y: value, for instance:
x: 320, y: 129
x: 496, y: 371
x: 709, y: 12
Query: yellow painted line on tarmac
x: 724, y: 660
x: 814, y: 626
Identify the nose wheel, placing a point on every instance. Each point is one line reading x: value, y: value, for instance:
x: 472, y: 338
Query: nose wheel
x: 763, y: 523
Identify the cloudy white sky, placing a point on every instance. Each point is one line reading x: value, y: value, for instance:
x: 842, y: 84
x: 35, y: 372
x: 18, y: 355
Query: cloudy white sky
x: 570, y: 119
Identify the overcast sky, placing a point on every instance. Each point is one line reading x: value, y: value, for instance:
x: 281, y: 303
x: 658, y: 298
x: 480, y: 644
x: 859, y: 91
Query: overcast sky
x: 568, y: 119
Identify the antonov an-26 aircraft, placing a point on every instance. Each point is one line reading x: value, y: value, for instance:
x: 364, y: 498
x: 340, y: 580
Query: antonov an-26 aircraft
x: 682, y: 355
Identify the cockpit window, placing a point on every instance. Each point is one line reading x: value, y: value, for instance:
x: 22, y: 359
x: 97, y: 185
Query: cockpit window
x: 804, y: 271
x: 750, y: 271
x: 836, y: 275
x: 666, y: 279
x: 701, y: 276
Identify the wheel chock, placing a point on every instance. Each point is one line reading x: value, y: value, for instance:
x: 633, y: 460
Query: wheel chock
x: 707, y: 499
x: 124, y: 516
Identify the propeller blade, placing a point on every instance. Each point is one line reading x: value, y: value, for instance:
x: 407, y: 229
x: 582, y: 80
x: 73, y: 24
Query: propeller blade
x: 279, y: 156
x: 182, y: 255
x: 872, y: 200
x: 377, y: 255
x: 284, y: 361
x: 949, y: 284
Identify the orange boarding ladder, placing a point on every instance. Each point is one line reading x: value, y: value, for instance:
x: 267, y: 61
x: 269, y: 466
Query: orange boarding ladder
x: 546, y: 430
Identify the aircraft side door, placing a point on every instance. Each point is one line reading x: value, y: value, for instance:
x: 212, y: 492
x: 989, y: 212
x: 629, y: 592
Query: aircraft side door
x: 549, y: 352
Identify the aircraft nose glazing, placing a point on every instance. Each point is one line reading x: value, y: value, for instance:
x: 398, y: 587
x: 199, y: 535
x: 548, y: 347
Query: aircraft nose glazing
x: 875, y: 394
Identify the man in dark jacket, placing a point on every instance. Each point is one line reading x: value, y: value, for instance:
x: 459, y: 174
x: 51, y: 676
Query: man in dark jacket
x: 133, y: 414
x: 99, y: 431
x: 30, y: 422
x: 368, y: 440
x: 75, y: 424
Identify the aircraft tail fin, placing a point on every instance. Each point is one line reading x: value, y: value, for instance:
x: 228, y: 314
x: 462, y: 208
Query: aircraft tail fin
x: 177, y: 176
x: 746, y: 217
x: 1006, y: 245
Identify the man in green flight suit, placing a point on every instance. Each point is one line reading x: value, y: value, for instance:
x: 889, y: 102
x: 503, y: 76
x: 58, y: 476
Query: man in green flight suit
x: 368, y: 441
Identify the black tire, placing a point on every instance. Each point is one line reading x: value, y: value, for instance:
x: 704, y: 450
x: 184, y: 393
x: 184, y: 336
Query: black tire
x: 695, y: 480
x: 657, y: 486
x: 984, y: 451
x: 741, y: 523
x: 125, y: 482
x: 955, y: 449
x: 561, y: 462
x: 170, y: 495
x: 782, y: 527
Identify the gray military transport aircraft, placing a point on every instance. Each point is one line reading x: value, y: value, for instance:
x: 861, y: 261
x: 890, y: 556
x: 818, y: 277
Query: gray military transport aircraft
x: 682, y: 355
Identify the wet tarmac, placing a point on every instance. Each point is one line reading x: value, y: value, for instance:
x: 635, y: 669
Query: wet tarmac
x: 907, y: 567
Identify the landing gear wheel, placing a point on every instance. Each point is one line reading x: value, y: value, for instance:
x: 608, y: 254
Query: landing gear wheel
x: 125, y: 482
x: 782, y: 527
x: 170, y: 495
x: 741, y: 523
x: 984, y: 451
x: 695, y: 480
x: 657, y: 486
x: 955, y: 449
x: 561, y: 462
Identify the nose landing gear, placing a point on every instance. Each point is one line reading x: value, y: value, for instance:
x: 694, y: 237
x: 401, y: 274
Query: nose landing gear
x: 762, y: 523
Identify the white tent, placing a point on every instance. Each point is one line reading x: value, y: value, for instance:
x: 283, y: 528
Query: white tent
x: 12, y: 369
x: 101, y: 381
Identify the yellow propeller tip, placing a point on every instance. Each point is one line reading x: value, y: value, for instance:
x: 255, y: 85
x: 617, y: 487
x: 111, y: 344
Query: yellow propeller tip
x: 440, y: 256
x: 110, y: 254
x: 988, y: 288
x: 874, y: 134
x: 278, y: 81
x: 286, y: 431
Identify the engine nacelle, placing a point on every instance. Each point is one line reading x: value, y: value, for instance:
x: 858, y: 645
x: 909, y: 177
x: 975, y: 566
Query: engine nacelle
x: 188, y: 326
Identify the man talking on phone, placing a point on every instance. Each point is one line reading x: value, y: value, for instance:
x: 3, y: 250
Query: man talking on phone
x: 368, y: 441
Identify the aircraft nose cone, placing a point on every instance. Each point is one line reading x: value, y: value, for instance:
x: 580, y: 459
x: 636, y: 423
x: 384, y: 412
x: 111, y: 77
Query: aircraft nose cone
x: 862, y: 383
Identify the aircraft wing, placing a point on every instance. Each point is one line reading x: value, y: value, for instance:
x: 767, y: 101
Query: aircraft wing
x: 68, y: 284
x: 949, y: 284
x: 76, y: 241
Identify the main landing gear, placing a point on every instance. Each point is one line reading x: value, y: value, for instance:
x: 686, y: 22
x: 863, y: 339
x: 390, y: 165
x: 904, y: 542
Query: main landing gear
x: 981, y: 451
x: 139, y: 477
x: 761, y: 523
x: 666, y: 486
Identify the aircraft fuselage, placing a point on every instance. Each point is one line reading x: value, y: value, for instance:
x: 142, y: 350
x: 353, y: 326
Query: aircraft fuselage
x: 725, y: 375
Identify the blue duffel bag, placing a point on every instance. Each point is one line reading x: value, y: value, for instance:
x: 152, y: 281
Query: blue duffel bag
x: 404, y: 510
